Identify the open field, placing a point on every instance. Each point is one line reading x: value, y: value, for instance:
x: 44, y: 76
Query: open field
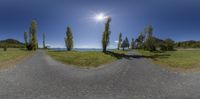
x: 11, y: 56
x: 82, y: 59
x: 184, y: 59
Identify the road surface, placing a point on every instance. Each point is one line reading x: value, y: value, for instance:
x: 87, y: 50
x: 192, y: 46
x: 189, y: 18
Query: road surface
x: 40, y: 77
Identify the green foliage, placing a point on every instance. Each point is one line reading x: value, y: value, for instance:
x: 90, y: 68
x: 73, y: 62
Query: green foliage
x: 119, y: 41
x: 106, y: 34
x: 188, y: 44
x: 150, y: 43
x: 140, y: 41
x: 69, y: 39
x: 167, y: 45
x: 132, y: 43
x: 125, y: 43
x: 33, y: 44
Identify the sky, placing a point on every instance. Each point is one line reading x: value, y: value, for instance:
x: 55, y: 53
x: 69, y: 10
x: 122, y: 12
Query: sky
x: 176, y: 19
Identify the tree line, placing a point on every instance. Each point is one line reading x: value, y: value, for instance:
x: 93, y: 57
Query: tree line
x: 145, y: 40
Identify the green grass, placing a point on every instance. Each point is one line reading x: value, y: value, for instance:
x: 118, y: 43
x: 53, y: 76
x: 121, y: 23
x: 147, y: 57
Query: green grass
x: 185, y: 59
x: 82, y: 59
x: 120, y: 51
x: 12, y: 55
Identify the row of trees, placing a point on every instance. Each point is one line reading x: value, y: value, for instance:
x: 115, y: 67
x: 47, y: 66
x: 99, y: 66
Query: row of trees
x: 188, y: 44
x: 146, y: 41
x: 31, y: 42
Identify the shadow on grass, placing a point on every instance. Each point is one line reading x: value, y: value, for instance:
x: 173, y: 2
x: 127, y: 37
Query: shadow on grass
x: 120, y: 56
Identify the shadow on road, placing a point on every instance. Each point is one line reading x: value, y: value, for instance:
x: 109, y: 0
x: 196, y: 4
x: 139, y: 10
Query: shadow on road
x: 119, y: 55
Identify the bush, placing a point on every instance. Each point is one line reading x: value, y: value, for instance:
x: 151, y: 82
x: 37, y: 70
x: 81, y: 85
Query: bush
x: 163, y: 47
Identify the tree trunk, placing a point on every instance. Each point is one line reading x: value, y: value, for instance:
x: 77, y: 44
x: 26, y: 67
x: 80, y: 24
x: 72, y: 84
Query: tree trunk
x: 104, y: 49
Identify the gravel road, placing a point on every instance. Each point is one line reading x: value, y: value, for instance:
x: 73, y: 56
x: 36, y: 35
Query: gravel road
x: 40, y: 77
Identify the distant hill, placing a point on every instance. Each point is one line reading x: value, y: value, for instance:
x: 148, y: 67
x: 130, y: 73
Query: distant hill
x: 11, y: 43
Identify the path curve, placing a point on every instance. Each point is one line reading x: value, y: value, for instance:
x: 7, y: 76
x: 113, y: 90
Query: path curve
x: 40, y: 77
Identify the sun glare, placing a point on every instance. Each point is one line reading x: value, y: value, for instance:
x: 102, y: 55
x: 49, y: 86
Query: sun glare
x: 100, y: 17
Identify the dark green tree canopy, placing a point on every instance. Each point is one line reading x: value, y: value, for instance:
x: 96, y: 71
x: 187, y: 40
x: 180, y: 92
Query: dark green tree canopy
x: 69, y: 39
x: 140, y: 40
x: 132, y: 43
x: 167, y: 45
x: 125, y: 43
x: 150, y: 43
x: 33, y: 43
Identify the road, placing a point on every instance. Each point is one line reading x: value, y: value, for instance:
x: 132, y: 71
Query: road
x: 40, y: 77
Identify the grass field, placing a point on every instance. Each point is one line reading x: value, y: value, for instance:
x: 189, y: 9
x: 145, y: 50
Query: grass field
x: 185, y: 59
x: 11, y: 56
x: 82, y: 59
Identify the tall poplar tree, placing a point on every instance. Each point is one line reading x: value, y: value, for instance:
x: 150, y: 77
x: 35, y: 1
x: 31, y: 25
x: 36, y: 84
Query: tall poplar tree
x: 132, y: 43
x: 44, y: 38
x: 119, y: 41
x: 106, y: 34
x: 25, y: 39
x: 69, y: 39
x: 33, y: 38
x: 150, y: 41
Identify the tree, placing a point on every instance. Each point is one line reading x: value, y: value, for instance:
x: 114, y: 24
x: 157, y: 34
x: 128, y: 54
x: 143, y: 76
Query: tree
x: 106, y: 34
x: 44, y: 38
x: 119, y: 41
x: 125, y: 43
x: 150, y: 41
x: 140, y: 40
x: 170, y: 44
x: 132, y: 43
x: 33, y: 39
x: 26, y: 39
x: 69, y: 39
x: 167, y: 45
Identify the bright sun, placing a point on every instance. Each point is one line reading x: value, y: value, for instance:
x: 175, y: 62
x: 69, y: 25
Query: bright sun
x: 100, y: 17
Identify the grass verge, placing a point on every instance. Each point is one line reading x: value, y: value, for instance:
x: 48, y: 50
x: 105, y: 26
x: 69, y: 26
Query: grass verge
x: 184, y: 59
x: 82, y: 59
x: 12, y: 56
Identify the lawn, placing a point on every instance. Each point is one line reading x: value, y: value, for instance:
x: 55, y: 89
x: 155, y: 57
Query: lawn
x: 82, y: 59
x: 11, y: 56
x: 185, y: 59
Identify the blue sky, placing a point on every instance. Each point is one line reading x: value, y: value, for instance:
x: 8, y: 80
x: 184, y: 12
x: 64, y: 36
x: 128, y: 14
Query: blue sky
x: 176, y: 19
